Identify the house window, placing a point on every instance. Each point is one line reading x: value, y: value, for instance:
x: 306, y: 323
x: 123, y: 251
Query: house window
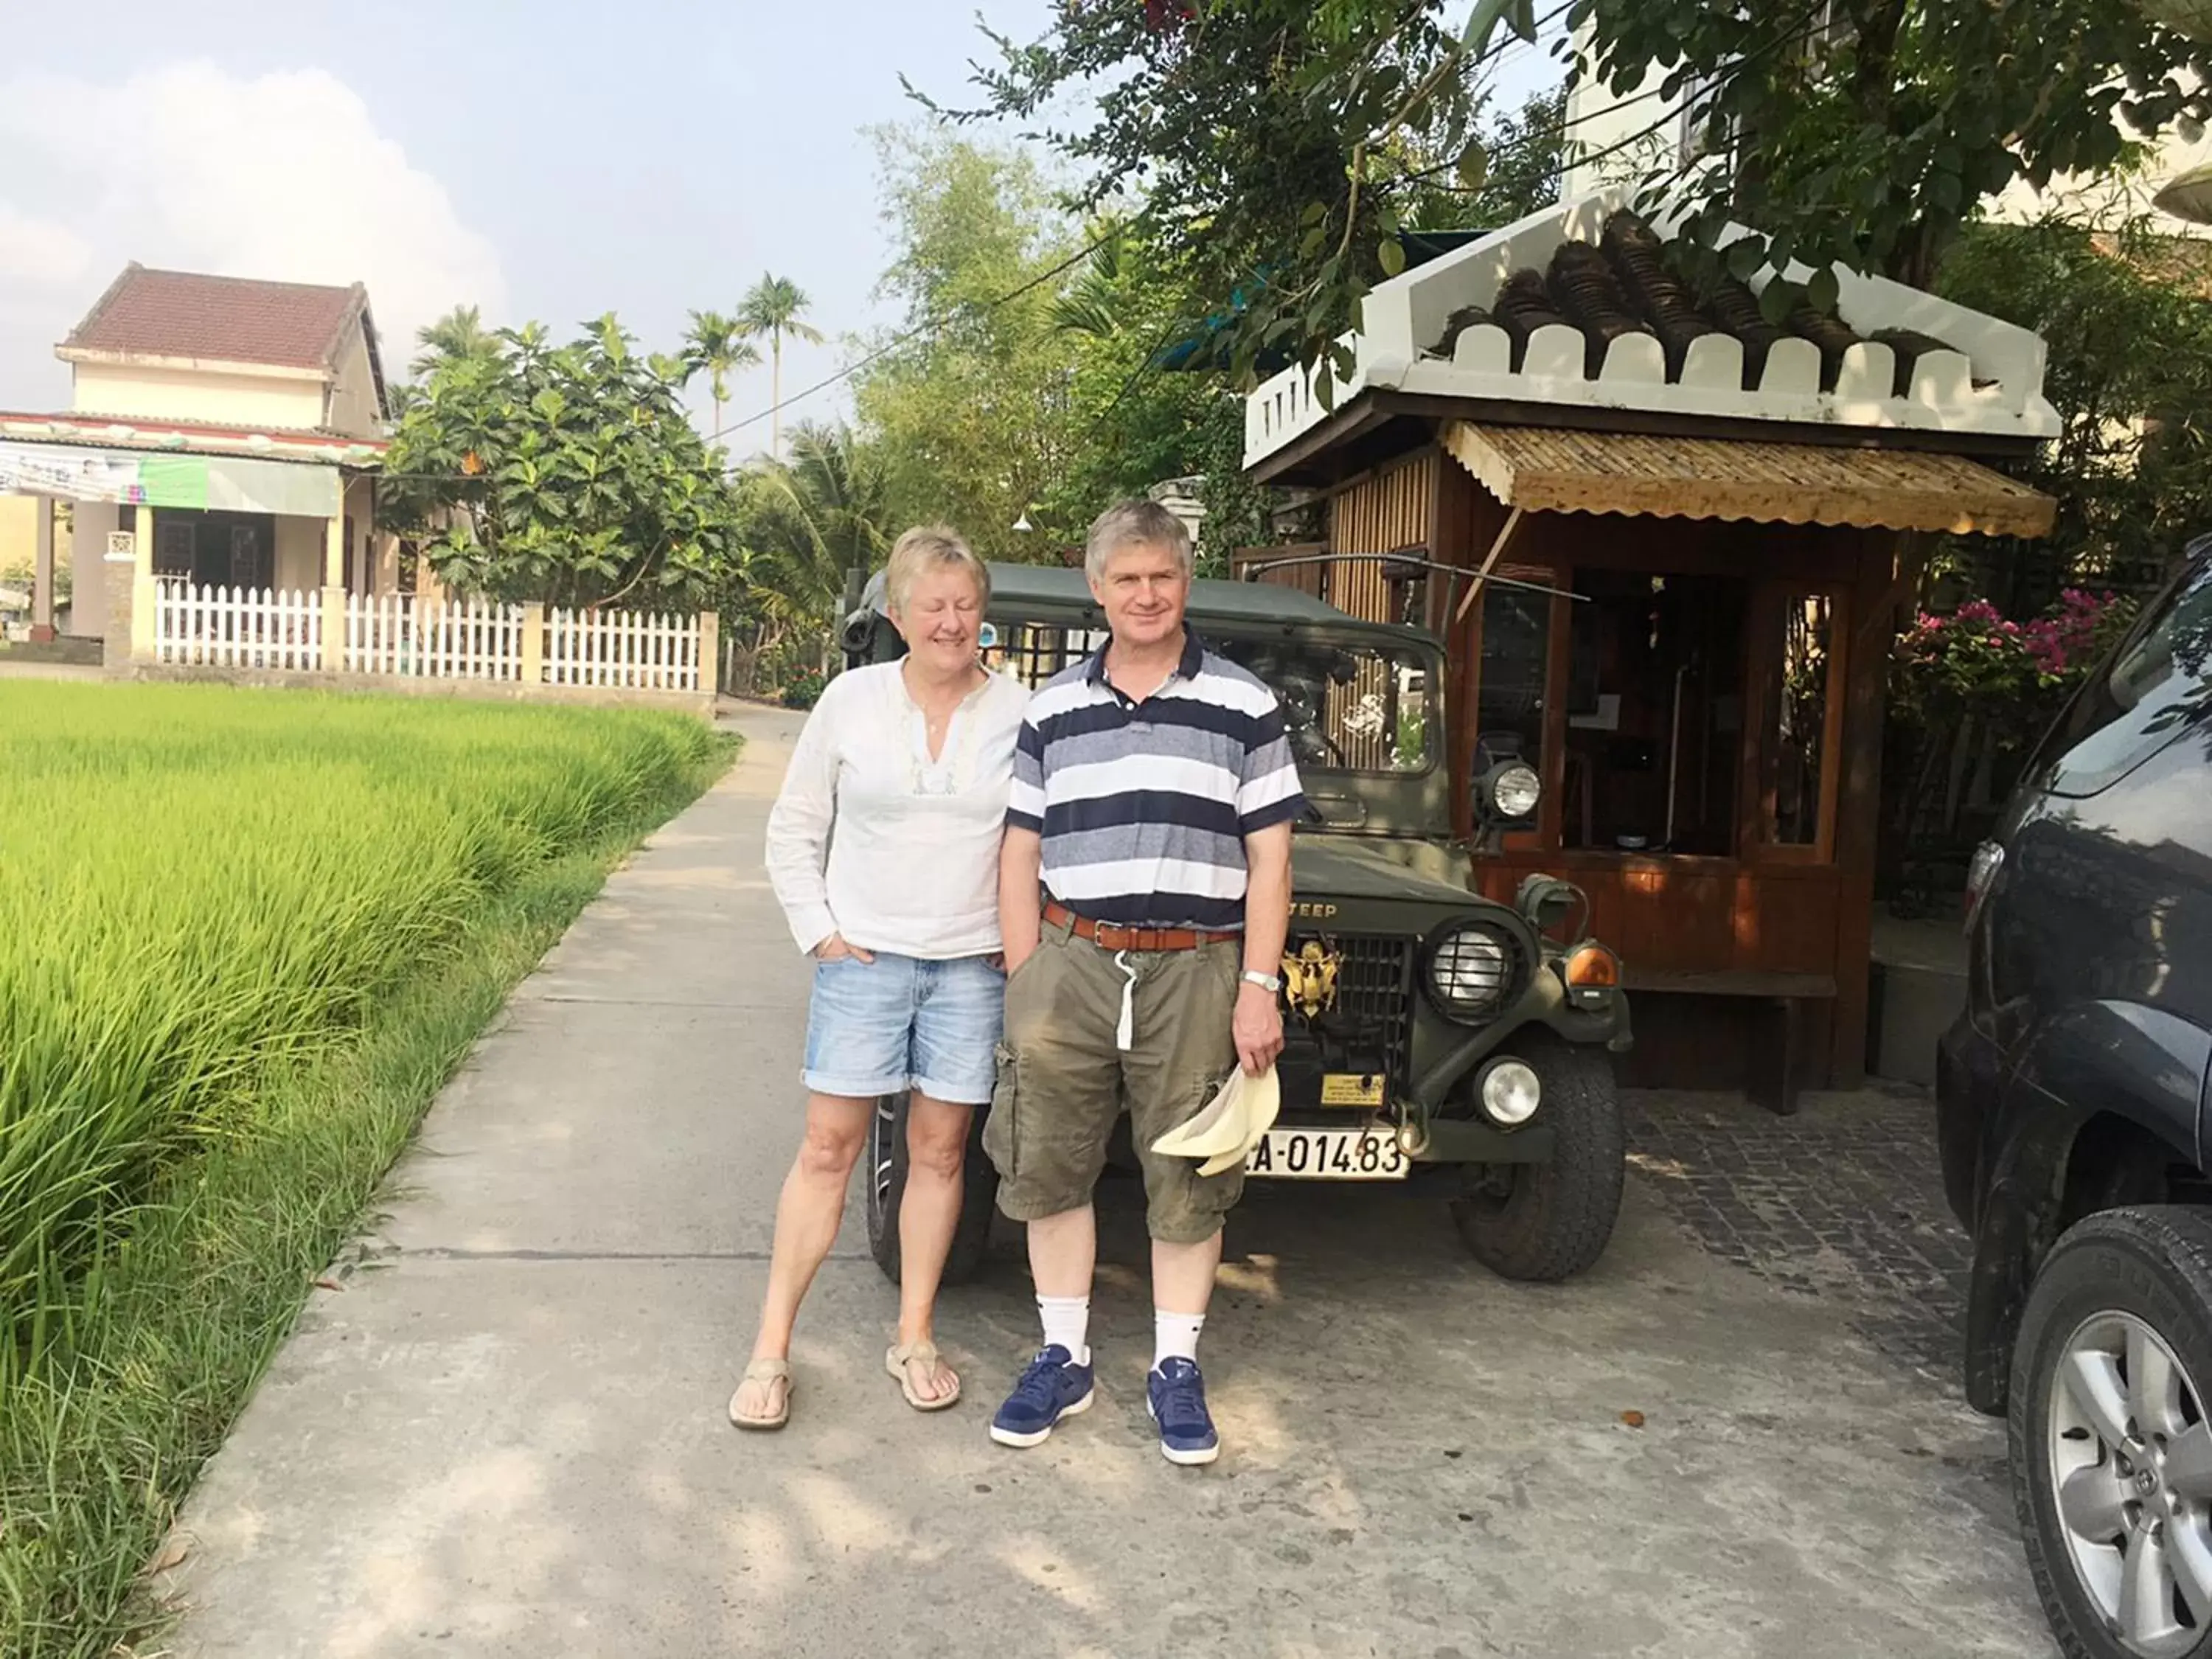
x: 173, y: 543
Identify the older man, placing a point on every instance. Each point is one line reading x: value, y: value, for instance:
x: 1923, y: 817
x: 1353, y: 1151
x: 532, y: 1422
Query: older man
x: 1144, y: 898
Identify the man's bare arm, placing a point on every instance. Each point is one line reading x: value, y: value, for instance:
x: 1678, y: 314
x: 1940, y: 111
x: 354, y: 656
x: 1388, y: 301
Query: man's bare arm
x: 1021, y: 865
x: 1258, y: 1022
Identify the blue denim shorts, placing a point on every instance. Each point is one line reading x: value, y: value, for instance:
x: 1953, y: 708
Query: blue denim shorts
x: 882, y: 1027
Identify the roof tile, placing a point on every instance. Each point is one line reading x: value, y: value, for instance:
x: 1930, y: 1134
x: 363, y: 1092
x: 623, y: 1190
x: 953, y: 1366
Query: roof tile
x: 176, y: 313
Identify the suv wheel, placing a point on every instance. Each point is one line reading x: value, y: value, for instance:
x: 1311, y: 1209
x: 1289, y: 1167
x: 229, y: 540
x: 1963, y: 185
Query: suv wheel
x: 886, y: 1179
x: 1549, y: 1221
x: 2111, y: 1454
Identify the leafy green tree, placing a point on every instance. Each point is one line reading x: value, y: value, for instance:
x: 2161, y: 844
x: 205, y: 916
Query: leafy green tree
x: 718, y: 345
x: 459, y: 333
x: 773, y: 306
x: 1271, y: 137
x: 2123, y: 311
x: 972, y: 412
x: 568, y: 474
x: 1864, y: 133
x: 1279, y: 142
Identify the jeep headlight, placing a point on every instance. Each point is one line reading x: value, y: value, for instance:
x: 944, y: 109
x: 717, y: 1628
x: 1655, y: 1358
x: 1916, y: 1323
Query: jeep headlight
x: 1469, y: 969
x: 1514, y: 790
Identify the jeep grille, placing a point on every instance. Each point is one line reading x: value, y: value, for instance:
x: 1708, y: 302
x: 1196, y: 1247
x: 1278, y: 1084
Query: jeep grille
x: 1372, y: 1017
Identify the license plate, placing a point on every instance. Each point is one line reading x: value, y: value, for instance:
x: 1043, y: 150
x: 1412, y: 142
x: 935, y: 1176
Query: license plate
x: 1352, y: 1089
x: 1330, y: 1155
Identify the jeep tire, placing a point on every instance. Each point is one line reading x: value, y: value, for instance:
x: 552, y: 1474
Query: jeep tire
x: 884, y: 1164
x: 1549, y: 1221
x: 2112, y: 1283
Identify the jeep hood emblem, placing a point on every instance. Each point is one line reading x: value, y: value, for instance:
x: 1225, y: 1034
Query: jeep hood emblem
x: 1310, y: 978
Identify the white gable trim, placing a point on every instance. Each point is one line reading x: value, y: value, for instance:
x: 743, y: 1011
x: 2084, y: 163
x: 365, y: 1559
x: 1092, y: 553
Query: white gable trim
x: 1399, y: 317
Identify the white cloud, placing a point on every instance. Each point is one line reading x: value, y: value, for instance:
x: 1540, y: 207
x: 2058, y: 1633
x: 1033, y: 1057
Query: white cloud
x: 38, y: 253
x: 283, y: 176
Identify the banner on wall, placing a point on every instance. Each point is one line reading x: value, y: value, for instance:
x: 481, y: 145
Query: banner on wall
x: 233, y: 484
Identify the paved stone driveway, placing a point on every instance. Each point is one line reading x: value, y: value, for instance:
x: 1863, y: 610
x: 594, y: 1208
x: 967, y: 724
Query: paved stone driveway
x: 1843, y: 1202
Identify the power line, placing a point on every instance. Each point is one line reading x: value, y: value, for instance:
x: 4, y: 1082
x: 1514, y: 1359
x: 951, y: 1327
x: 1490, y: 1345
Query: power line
x: 1807, y: 27
x: 1492, y: 53
x: 915, y: 332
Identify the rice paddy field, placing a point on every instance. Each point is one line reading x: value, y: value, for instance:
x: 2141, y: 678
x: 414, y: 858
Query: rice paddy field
x: 244, y: 937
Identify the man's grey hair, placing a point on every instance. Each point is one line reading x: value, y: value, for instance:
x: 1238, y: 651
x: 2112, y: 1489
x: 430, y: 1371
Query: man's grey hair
x: 930, y: 547
x: 1135, y: 524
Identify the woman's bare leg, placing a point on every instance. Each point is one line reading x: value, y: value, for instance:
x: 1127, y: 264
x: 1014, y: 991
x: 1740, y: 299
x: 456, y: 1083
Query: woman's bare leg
x: 929, y: 1210
x: 806, y: 1217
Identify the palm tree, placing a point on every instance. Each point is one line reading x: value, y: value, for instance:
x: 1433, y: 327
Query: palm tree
x: 718, y: 345
x: 772, y: 308
x: 810, y: 522
x: 458, y: 334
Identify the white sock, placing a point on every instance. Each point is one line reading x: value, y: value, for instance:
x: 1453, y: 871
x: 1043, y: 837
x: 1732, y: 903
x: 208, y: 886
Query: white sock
x: 1174, y: 1336
x: 1068, y: 1321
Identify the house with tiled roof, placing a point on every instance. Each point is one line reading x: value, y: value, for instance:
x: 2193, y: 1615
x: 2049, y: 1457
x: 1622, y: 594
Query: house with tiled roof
x: 1665, y: 539
x: 223, y: 433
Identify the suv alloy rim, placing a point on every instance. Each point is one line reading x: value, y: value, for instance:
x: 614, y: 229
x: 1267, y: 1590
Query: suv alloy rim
x: 2131, y: 1473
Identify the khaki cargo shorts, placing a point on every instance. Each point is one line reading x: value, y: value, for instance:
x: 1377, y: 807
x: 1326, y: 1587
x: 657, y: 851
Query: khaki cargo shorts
x: 1062, y: 1081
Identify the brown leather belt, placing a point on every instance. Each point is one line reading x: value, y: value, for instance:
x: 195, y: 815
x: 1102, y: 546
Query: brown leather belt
x: 1112, y: 936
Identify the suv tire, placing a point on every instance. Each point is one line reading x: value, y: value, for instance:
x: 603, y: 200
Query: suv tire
x: 884, y: 1172
x: 1550, y: 1221
x: 2111, y: 1276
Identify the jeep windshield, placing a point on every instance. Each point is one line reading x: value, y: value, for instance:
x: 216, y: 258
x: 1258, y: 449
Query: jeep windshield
x: 1348, y: 706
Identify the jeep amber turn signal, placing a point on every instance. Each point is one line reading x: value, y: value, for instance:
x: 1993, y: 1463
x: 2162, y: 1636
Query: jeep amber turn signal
x: 1592, y: 967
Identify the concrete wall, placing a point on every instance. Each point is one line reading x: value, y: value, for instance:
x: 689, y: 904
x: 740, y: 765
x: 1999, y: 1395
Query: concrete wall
x: 359, y: 504
x: 204, y: 395
x: 298, y: 554
x: 353, y: 409
x: 1598, y: 121
x: 18, y: 535
x: 93, y: 523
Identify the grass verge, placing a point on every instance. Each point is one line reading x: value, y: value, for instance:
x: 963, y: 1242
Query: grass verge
x: 188, y: 1306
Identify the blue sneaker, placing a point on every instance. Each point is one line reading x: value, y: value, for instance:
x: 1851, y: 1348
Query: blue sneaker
x: 1176, y: 1396
x: 1052, y: 1387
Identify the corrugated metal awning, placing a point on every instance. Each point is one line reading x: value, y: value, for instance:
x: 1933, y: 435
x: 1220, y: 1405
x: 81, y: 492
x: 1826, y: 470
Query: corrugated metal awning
x: 1552, y: 469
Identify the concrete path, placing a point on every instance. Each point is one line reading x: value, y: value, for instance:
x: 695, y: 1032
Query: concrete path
x: 508, y: 1438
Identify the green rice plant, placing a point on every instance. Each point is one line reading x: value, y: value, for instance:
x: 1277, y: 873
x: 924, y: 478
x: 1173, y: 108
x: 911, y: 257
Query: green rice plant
x: 202, y: 883
x: 244, y: 938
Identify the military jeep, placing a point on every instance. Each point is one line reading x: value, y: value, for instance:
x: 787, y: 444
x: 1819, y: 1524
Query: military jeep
x: 1433, y: 1038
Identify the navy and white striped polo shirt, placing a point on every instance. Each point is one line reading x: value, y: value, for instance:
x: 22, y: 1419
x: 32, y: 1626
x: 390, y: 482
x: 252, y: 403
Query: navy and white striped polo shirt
x: 1143, y: 806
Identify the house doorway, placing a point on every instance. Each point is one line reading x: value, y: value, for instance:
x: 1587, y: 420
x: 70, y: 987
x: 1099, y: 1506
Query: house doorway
x: 1655, y: 712
x: 216, y: 548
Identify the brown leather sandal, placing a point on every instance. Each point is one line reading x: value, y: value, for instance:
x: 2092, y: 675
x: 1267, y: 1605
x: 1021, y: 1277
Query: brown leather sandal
x: 768, y: 1373
x: 924, y: 1354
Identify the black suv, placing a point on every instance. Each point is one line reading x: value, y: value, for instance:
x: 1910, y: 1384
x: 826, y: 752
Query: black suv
x: 2071, y: 1101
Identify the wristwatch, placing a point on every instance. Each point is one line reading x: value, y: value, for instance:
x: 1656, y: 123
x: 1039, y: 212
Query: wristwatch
x: 1270, y: 983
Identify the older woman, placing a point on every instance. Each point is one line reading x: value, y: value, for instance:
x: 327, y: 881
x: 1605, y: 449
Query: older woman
x: 882, y: 848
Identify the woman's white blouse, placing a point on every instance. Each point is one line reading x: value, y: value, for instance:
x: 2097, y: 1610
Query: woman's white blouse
x: 872, y: 839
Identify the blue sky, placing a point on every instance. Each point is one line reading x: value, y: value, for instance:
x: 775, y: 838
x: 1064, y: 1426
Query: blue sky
x: 550, y: 160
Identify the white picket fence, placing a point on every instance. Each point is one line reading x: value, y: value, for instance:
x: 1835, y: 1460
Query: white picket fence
x: 622, y: 648
x: 425, y: 639
x: 403, y: 636
x: 237, y: 628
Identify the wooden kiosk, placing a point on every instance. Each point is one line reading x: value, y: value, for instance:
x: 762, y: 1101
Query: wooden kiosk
x: 1667, y: 547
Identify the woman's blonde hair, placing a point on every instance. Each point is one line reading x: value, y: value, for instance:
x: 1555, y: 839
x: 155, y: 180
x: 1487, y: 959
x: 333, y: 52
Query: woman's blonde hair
x: 930, y: 547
